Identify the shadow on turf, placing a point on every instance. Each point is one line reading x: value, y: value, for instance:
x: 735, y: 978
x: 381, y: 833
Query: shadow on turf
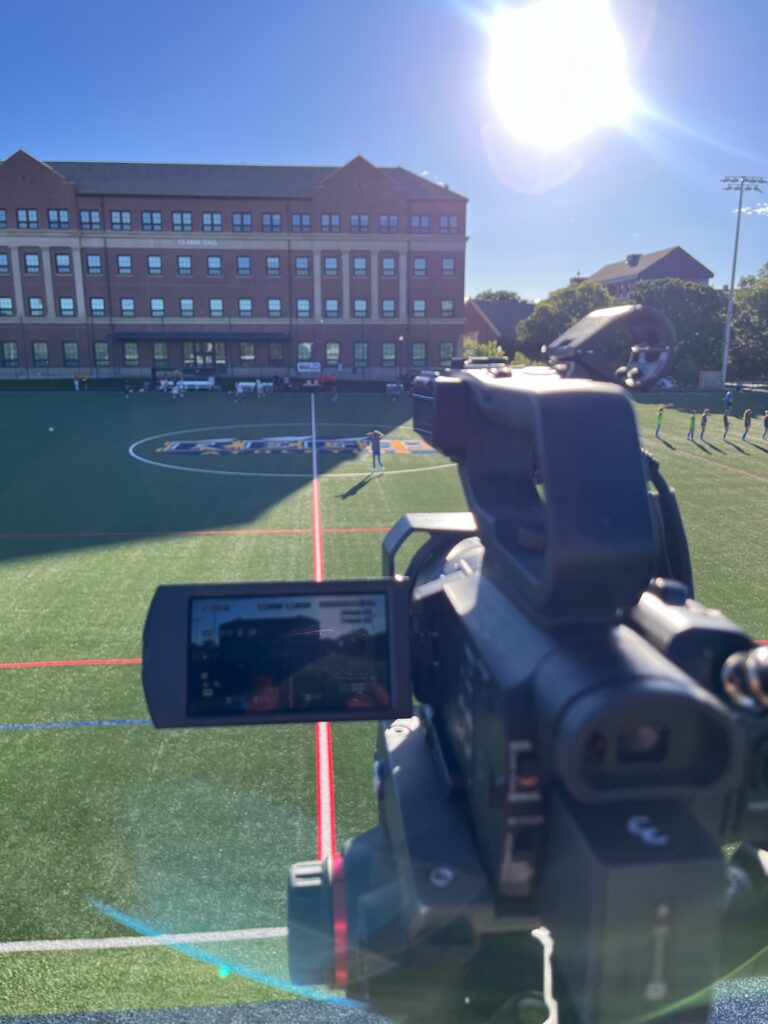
x: 76, y: 487
x: 356, y: 488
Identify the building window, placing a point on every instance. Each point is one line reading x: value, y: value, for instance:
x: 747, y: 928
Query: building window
x: 58, y: 220
x: 273, y: 266
x: 35, y: 306
x: 358, y: 223
x: 303, y: 309
x: 97, y: 307
x: 271, y: 222
x: 361, y: 353
x: 120, y: 220
x: 388, y: 308
x: 127, y: 307
x: 31, y: 263
x: 4, y: 267
x: 446, y: 352
x: 63, y: 263
x: 420, y: 224
x: 90, y: 220
x: 419, y: 353
x: 360, y: 266
x: 184, y: 265
x: 6, y: 306
x: 242, y: 222
x: 10, y: 353
x: 160, y: 354
x: 243, y: 266
x: 301, y: 266
x: 276, y: 353
x: 388, y: 353
x: 27, y: 220
x: 131, y: 353
x: 446, y: 307
x: 332, y: 353
x: 301, y: 223
x: 157, y: 307
x: 40, y: 354
x: 4, y: 225
x: 216, y: 307
x: 388, y: 266
x: 154, y: 265
x: 330, y: 223
x: 66, y: 306
x: 212, y: 221
x: 151, y: 220
x: 181, y: 220
x: 331, y: 266
x: 101, y: 353
x: 448, y: 267
x: 419, y: 266
x: 304, y: 351
x: 93, y: 263
x: 186, y: 307
x: 449, y: 225
x: 124, y: 264
x: 419, y: 308
x: 388, y: 224
x: 331, y: 308
x: 274, y: 307
x: 361, y: 308
x: 245, y: 307
x: 214, y: 266
x: 71, y: 353
x: 247, y: 353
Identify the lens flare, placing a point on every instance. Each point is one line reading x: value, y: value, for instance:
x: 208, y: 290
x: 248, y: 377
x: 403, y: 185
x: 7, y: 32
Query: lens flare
x: 558, y: 71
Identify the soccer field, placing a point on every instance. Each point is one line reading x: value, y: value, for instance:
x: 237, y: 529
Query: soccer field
x: 113, y: 831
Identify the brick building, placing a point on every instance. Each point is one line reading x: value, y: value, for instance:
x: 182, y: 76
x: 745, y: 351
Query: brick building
x: 495, y: 320
x: 244, y: 270
x: 675, y: 262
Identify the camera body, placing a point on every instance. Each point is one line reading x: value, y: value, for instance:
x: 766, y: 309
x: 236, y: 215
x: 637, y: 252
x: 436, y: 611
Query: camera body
x: 587, y: 735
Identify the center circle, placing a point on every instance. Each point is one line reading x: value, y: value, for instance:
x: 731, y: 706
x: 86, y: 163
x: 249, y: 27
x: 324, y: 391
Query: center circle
x: 269, y: 441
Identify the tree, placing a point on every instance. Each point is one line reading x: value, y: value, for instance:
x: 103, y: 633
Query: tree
x: 697, y: 312
x: 749, y: 338
x: 473, y: 347
x: 557, y: 313
x: 501, y: 293
x: 750, y: 280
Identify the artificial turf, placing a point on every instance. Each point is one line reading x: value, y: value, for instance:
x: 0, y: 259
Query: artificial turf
x: 194, y: 831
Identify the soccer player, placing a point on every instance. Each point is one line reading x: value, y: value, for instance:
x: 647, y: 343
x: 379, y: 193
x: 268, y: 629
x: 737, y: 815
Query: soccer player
x: 765, y: 424
x: 726, y: 424
x: 375, y: 437
x: 691, y: 426
x: 659, y: 420
x: 704, y: 418
x: 747, y: 423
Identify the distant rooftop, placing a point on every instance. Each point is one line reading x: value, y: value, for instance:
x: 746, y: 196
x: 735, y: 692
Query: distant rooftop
x: 636, y: 264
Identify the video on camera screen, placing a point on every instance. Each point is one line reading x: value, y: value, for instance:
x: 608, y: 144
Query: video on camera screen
x: 301, y: 653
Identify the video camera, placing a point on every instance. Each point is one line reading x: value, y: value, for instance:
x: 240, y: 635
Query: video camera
x: 587, y: 738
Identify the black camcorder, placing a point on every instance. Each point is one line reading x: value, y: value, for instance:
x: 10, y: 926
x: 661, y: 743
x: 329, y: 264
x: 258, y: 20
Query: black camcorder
x: 587, y: 737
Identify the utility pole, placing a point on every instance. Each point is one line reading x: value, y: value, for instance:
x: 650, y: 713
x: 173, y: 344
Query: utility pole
x: 740, y: 183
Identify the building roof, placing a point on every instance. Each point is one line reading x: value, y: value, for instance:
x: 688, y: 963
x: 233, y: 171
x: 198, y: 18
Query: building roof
x: 502, y: 315
x: 635, y: 265
x: 226, y: 180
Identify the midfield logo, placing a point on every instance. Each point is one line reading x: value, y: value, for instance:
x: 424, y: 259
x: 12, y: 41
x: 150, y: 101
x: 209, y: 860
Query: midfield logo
x: 293, y: 444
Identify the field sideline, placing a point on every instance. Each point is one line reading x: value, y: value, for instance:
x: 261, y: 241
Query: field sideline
x: 115, y: 831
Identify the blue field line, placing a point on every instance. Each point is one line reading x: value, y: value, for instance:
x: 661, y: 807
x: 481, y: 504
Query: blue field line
x: 216, y: 961
x: 13, y: 726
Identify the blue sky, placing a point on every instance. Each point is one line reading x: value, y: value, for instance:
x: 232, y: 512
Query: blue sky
x: 404, y: 83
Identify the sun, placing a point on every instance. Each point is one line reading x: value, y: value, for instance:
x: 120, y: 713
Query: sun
x: 558, y: 71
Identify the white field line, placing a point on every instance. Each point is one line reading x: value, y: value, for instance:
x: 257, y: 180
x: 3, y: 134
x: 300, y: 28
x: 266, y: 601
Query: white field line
x: 138, y: 941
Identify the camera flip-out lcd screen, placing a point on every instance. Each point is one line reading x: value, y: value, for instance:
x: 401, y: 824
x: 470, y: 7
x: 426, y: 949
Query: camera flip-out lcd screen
x: 300, y: 653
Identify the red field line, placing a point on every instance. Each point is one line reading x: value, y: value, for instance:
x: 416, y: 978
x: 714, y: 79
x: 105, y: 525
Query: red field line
x: 79, y: 661
x: 188, y: 533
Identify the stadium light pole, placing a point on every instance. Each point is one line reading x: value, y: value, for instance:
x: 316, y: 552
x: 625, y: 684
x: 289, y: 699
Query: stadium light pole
x: 740, y: 183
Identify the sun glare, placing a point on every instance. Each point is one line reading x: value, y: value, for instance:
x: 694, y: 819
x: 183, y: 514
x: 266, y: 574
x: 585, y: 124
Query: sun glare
x: 557, y: 71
